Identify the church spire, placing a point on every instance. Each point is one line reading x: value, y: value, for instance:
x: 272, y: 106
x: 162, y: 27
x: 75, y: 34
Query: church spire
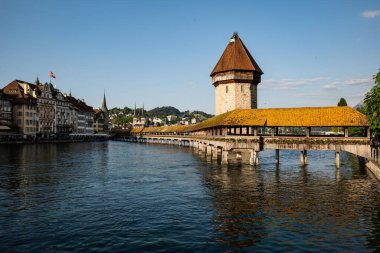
x: 104, y: 104
x: 37, y: 81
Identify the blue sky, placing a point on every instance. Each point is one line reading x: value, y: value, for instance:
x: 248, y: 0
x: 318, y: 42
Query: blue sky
x: 162, y: 52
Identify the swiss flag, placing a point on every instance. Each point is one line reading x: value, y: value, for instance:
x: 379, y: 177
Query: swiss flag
x: 52, y: 75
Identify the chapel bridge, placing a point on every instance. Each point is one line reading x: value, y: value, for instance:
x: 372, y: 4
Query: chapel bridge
x: 239, y: 135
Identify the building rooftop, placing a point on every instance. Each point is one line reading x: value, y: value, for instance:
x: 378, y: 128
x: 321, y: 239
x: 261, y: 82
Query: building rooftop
x: 335, y: 116
x: 236, y: 57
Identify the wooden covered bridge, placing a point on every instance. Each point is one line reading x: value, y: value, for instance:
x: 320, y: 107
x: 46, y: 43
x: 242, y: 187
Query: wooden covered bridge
x: 242, y: 133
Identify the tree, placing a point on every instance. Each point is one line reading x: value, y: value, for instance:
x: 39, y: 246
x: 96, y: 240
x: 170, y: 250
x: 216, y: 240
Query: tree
x: 357, y: 131
x: 342, y: 102
x: 372, y: 106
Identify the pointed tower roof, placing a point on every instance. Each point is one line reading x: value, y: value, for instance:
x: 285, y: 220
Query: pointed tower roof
x: 104, y: 104
x: 236, y: 57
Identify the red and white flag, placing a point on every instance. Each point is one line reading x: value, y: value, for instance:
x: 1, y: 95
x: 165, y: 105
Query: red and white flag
x: 52, y: 75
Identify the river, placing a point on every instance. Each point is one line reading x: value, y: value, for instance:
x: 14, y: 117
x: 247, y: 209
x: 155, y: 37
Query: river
x: 127, y: 197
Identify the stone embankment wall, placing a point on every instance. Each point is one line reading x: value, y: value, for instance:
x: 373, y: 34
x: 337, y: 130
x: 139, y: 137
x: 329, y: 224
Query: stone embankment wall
x: 374, y: 168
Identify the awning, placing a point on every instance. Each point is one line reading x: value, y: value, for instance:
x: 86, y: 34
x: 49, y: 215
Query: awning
x: 4, y: 128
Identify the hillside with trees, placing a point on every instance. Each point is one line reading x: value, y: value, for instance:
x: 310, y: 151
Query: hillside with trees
x: 164, y: 111
x: 122, y: 116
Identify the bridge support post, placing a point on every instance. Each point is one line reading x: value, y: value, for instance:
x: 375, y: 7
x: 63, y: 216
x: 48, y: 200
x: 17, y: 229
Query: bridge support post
x: 277, y: 161
x: 308, y: 131
x: 204, y: 149
x: 346, y: 132
x: 224, y: 157
x: 303, y: 157
x: 254, y: 159
x: 208, y: 150
x: 200, y: 147
x: 337, y: 157
x: 255, y: 131
x: 214, y: 153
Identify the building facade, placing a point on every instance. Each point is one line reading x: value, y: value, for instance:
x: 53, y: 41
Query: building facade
x: 81, y: 116
x: 138, y: 119
x: 46, y: 110
x: 235, y: 77
x: 6, y: 115
x: 24, y: 106
x: 62, y: 115
x: 43, y: 111
x: 101, y: 118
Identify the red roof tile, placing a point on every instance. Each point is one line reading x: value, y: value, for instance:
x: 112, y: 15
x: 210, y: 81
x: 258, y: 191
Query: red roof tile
x: 236, y: 57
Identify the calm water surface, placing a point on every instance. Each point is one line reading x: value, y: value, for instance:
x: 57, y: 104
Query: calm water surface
x: 125, y: 197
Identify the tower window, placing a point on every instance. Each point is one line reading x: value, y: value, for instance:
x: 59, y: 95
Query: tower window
x: 226, y: 89
x: 241, y: 89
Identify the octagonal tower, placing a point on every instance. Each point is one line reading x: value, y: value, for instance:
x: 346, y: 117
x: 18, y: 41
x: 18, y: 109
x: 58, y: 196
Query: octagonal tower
x: 235, y: 77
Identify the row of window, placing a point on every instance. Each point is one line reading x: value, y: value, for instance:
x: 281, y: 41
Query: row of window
x: 5, y: 115
x: 49, y: 109
x: 5, y: 104
x: 30, y: 122
x: 5, y: 108
x: 241, y: 89
x: 46, y: 95
x: 30, y: 129
x: 48, y: 102
x: 27, y: 114
x: 29, y: 107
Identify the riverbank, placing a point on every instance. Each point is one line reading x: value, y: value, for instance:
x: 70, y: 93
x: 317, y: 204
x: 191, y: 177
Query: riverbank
x: 77, y: 138
x: 374, y: 167
x: 45, y: 141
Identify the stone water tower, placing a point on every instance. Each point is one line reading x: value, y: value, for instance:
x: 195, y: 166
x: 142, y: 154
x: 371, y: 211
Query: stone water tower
x: 235, y: 77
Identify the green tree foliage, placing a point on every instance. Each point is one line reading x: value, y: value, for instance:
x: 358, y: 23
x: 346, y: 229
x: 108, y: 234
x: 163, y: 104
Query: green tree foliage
x: 164, y: 111
x: 342, y: 102
x: 122, y: 120
x: 372, y: 106
x: 357, y: 131
x: 120, y: 114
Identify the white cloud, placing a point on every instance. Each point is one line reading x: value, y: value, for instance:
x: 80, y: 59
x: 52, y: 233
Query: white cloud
x: 329, y: 87
x: 350, y: 82
x: 288, y: 84
x: 371, y: 14
x: 359, y: 81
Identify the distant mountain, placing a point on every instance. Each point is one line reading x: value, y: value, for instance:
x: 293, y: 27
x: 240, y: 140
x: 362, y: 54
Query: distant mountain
x: 359, y: 105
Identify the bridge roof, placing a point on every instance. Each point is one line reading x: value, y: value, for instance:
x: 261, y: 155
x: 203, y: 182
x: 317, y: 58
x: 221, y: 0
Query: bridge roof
x: 236, y: 57
x: 336, y: 116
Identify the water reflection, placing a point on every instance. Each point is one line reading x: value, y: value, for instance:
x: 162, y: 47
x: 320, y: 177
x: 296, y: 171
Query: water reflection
x: 294, y: 204
x: 122, y: 197
x: 28, y: 171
